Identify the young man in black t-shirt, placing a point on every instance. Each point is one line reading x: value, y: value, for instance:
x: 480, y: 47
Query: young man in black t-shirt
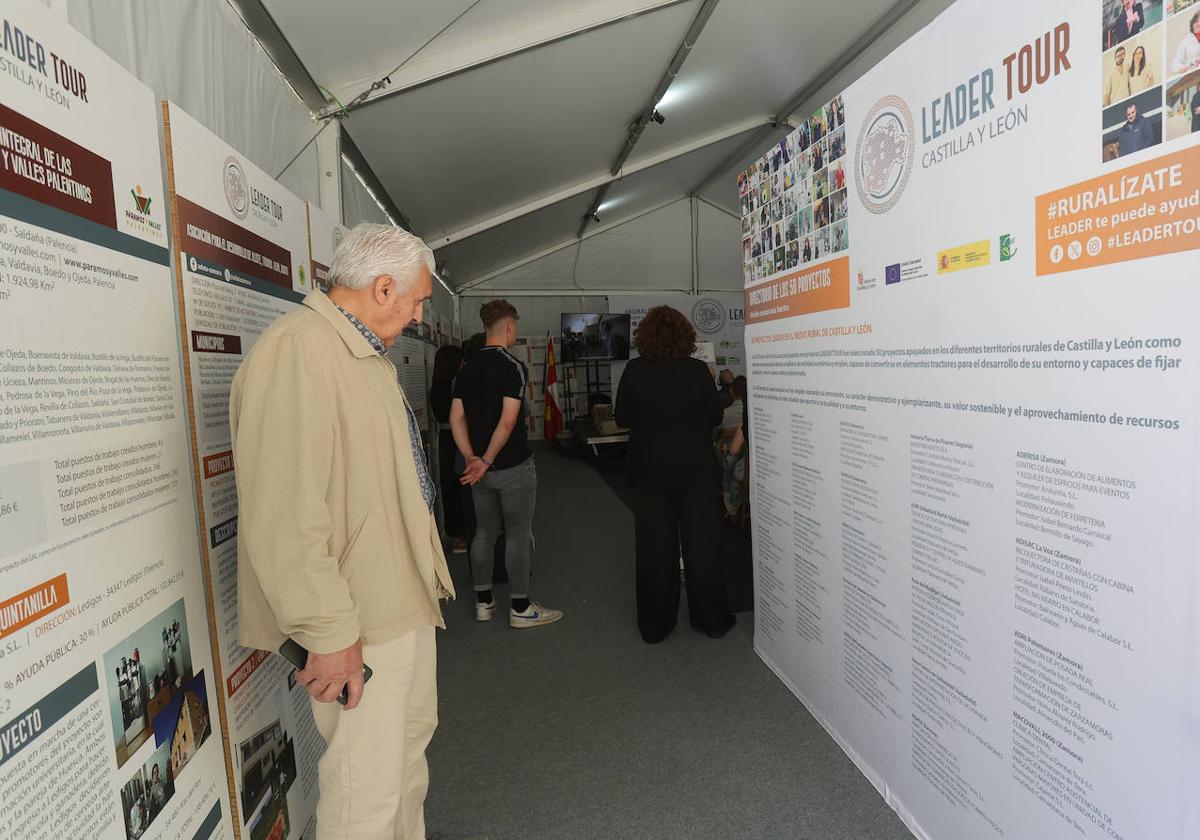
x: 488, y: 418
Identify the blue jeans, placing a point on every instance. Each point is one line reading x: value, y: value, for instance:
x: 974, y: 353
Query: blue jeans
x: 504, y: 501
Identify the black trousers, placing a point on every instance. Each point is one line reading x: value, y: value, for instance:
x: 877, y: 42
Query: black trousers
x: 452, y: 497
x: 664, y: 522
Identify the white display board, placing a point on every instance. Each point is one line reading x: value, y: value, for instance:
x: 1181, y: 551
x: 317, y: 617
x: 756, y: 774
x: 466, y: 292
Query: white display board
x: 974, y: 426
x: 106, y: 680
x: 324, y: 235
x: 242, y: 261
x: 717, y: 316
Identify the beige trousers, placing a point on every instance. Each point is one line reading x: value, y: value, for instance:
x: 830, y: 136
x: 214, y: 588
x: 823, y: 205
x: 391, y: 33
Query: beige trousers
x: 373, y: 776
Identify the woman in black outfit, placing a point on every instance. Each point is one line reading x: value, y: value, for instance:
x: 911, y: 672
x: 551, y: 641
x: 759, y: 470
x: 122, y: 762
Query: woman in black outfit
x: 670, y: 403
x: 447, y: 362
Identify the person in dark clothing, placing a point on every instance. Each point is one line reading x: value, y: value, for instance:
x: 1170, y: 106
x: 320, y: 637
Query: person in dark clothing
x: 670, y: 404
x: 447, y: 362
x: 1196, y: 111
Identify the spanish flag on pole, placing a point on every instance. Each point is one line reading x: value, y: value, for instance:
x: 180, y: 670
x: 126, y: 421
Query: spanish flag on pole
x: 554, y: 417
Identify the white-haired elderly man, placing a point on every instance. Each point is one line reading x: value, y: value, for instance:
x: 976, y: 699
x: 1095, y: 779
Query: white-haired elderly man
x: 338, y: 549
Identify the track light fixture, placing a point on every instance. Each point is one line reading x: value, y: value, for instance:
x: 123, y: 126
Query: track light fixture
x: 657, y: 116
x: 593, y: 217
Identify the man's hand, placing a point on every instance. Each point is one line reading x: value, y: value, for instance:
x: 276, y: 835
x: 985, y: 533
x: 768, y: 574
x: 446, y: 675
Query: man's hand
x: 326, y: 673
x: 476, y: 467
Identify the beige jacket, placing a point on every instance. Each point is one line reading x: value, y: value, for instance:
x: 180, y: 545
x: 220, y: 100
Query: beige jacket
x: 334, y: 538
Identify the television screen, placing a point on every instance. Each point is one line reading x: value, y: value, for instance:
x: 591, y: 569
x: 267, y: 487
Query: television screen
x: 593, y: 335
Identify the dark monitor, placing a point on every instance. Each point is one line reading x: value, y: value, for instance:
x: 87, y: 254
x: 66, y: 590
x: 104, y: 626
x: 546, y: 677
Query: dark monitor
x: 594, y: 335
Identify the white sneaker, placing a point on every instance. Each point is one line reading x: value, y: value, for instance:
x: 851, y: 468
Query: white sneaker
x: 535, y: 615
x: 483, y: 612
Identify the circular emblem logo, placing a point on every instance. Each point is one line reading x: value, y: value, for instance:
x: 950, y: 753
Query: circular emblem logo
x: 885, y: 154
x: 338, y: 236
x: 708, y: 315
x: 237, y: 188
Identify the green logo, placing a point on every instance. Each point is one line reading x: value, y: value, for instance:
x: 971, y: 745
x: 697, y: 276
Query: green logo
x: 1008, y: 247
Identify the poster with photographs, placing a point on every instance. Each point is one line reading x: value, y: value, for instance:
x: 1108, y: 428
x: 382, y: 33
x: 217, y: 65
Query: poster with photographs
x: 793, y: 199
x: 103, y: 626
x: 1150, y: 74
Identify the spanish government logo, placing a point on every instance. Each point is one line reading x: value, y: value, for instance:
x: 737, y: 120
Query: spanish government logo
x: 237, y: 188
x: 885, y: 153
x: 708, y: 315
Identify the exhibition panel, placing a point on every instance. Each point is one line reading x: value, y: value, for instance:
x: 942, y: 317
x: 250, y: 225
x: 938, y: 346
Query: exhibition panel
x: 972, y: 341
x: 106, y: 720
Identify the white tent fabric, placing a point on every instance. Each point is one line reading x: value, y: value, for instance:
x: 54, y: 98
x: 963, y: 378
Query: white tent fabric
x: 198, y: 54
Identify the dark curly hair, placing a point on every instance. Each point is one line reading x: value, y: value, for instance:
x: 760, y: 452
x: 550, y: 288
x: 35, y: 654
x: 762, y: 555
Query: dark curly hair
x: 665, y: 334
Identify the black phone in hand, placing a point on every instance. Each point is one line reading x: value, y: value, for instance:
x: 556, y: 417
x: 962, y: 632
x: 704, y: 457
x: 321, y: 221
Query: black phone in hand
x: 298, y: 656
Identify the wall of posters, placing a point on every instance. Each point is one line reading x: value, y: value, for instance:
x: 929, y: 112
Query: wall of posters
x: 242, y: 260
x: 106, y: 724
x: 974, y: 429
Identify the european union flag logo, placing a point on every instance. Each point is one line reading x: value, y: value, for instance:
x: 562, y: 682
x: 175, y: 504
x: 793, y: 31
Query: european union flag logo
x: 891, y: 274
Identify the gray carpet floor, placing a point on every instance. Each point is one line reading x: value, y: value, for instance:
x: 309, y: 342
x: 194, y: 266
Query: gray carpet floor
x: 578, y: 730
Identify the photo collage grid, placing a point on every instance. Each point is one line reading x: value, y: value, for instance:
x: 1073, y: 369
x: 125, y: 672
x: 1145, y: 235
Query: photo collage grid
x: 794, y: 200
x: 1150, y: 74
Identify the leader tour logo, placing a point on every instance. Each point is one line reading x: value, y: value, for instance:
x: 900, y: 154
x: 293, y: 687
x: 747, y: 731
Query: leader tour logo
x: 885, y: 154
x: 237, y: 187
x: 708, y: 315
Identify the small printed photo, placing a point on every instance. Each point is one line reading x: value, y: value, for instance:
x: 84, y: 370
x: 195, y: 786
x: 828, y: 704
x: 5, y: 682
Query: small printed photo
x: 185, y: 724
x: 144, y: 673
x: 820, y: 187
x: 839, y: 112
x: 268, y: 767
x: 768, y: 263
x: 767, y: 241
x: 780, y: 258
x: 793, y: 254
x: 840, y: 204
x: 837, y: 175
x: 756, y: 248
x: 1183, y: 106
x: 820, y: 153
x: 803, y: 164
x: 778, y: 235
x: 1183, y: 42
x: 789, y: 203
x: 764, y: 217
x: 789, y: 176
x: 743, y: 182
x: 757, y: 268
x: 803, y: 136
x: 804, y: 193
x: 817, y: 126
x: 821, y: 213
x: 1133, y: 125
x: 777, y: 210
x: 1123, y: 19
x: 837, y: 144
x: 840, y: 237
x: 806, y: 249
x: 1131, y: 67
x: 821, y: 244
x: 160, y: 783
x: 764, y: 192
x: 793, y: 228
x: 747, y: 253
x: 776, y: 184
x: 1175, y: 6
x: 805, y: 221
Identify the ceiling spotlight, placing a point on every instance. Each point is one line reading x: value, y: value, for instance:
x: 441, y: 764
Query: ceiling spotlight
x: 657, y: 116
x: 594, y: 217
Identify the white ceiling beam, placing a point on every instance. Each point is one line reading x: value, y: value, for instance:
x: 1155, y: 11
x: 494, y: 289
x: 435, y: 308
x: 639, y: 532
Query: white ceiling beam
x: 716, y: 206
x: 582, y: 187
x: 568, y: 243
x: 513, y: 42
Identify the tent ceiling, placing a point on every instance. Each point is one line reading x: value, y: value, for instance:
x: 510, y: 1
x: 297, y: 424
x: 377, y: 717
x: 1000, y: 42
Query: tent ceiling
x: 494, y: 138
